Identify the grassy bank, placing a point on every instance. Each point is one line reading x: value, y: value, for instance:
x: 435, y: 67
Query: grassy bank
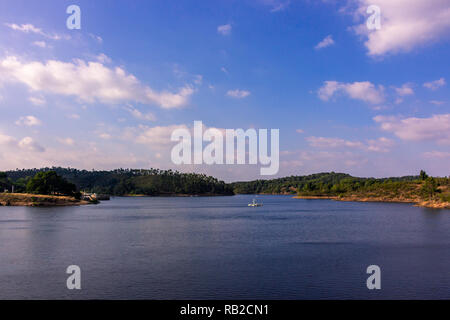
x: 422, y: 190
x: 435, y: 204
x: 417, y: 192
x: 35, y: 200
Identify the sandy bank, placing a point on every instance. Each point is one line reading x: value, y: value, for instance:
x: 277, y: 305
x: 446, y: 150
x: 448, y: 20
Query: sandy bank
x: 415, y: 201
x: 36, y: 200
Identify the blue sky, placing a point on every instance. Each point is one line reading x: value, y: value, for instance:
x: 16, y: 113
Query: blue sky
x: 370, y: 103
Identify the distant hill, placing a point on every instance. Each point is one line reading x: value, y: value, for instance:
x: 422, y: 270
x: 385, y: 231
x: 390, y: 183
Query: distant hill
x: 316, y: 183
x: 423, y: 190
x: 152, y: 182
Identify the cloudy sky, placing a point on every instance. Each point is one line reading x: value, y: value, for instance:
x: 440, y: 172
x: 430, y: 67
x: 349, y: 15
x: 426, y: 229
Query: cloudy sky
x: 345, y: 98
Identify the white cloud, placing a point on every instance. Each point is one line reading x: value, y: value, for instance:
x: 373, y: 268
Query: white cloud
x: 224, y: 29
x: 323, y: 142
x: 405, y: 24
x: 7, y: 140
x: 66, y: 141
x: 28, y: 143
x: 28, y: 121
x: 198, y: 79
x: 86, y: 155
x: 365, y: 91
x: 158, y: 136
x: 139, y: 115
x: 29, y: 28
x: 280, y: 6
x: 328, y: 90
x: 437, y: 102
x: 319, y: 161
x: 103, y: 58
x: 380, y: 145
x: 41, y: 44
x: 104, y: 135
x: 434, y: 85
x: 437, y: 154
x: 238, y: 94
x: 25, y: 144
x: 73, y: 116
x: 37, y: 101
x: 299, y: 131
x: 96, y: 38
x: 381, y: 107
x: 224, y: 70
x: 275, y: 5
x: 326, y: 42
x: 375, y: 145
x: 405, y: 90
x: 94, y: 82
x: 436, y: 128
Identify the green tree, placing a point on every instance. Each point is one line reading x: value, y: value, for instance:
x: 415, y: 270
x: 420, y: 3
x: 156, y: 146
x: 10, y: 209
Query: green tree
x: 50, y: 183
x: 423, y: 175
x: 429, y: 188
x: 4, y: 182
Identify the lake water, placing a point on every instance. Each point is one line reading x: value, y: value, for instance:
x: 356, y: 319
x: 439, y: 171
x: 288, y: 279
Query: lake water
x: 218, y: 248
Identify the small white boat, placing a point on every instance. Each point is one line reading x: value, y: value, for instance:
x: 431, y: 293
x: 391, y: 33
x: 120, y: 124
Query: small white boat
x: 255, y: 204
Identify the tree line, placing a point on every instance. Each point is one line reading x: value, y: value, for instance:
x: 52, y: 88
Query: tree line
x: 125, y: 181
x: 333, y: 184
x: 155, y: 182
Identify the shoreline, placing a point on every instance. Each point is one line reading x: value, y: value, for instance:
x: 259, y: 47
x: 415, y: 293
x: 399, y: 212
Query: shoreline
x: 175, y: 195
x: 417, y: 202
x: 35, y: 200
x: 38, y: 200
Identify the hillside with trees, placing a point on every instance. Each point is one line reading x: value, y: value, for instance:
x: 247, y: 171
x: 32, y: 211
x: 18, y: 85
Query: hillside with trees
x: 315, y: 184
x: 430, y: 191
x: 119, y: 182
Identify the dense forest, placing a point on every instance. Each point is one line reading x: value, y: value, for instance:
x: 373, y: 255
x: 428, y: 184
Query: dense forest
x: 125, y: 181
x: 418, y: 188
x: 319, y: 183
x: 5, y: 183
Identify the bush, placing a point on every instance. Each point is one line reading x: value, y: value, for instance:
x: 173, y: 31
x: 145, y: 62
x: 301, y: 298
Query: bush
x: 429, y: 188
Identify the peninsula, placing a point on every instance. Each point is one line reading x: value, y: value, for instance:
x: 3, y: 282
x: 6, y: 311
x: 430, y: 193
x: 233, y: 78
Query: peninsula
x: 38, y: 200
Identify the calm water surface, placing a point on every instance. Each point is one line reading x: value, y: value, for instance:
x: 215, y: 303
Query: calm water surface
x: 218, y: 248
